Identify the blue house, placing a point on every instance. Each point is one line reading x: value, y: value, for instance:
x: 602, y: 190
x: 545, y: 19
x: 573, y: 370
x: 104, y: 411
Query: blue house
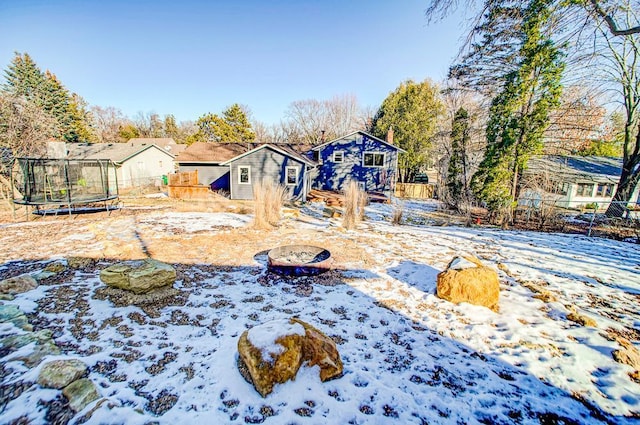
x: 359, y: 156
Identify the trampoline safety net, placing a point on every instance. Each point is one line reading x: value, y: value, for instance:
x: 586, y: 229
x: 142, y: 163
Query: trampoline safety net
x: 64, y: 181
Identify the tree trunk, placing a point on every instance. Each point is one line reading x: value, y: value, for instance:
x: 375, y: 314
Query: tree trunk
x: 629, y: 178
x: 628, y: 182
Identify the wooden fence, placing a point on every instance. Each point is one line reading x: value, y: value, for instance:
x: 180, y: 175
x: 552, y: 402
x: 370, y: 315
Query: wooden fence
x: 188, y: 178
x: 185, y: 186
x: 415, y: 190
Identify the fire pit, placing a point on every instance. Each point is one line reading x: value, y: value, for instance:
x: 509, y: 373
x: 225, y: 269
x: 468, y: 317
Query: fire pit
x: 299, y: 260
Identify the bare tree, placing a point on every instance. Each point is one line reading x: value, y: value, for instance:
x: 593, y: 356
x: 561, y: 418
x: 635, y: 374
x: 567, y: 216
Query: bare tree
x: 107, y: 123
x: 24, y: 126
x: 337, y: 116
x: 579, y: 120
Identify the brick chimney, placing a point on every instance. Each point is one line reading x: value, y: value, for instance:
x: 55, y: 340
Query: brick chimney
x: 390, y: 135
x: 322, y: 136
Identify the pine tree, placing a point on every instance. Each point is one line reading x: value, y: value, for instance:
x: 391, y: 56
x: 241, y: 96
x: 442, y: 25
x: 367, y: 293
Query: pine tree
x: 519, y: 114
x: 24, y: 79
x: 412, y: 110
x: 232, y: 127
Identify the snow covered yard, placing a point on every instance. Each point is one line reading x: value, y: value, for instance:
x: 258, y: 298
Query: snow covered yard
x: 409, y: 356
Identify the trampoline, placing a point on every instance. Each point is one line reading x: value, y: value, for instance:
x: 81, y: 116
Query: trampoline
x: 64, y: 185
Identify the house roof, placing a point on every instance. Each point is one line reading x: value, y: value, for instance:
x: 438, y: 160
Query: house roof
x: 166, y: 143
x: 211, y: 153
x: 578, y: 168
x: 362, y: 133
x: 280, y: 148
x: 116, y: 152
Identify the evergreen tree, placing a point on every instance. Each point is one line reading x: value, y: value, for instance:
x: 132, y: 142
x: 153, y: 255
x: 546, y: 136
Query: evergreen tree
x: 457, y: 178
x: 412, y: 110
x: 25, y: 79
x: 519, y: 113
x: 232, y: 127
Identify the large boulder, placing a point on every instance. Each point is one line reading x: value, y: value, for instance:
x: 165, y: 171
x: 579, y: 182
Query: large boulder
x: 466, y: 279
x: 60, y: 373
x: 139, y: 276
x: 274, y: 351
x: 18, y: 284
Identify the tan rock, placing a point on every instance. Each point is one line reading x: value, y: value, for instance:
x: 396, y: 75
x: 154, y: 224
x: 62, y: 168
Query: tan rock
x: 320, y: 350
x: 80, y: 262
x: 466, y: 279
x: 55, y: 267
x: 18, y: 284
x: 139, y: 276
x: 274, y: 362
x: 273, y: 353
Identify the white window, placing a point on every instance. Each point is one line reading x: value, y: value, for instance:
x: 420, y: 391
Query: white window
x: 373, y: 159
x: 604, y: 190
x: 244, y: 174
x: 585, y: 189
x: 292, y: 175
x: 141, y: 165
x: 338, y: 156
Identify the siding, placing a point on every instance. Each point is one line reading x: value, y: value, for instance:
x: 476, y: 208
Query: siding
x: 268, y: 164
x: 144, y: 168
x: 335, y: 176
x: 215, y: 176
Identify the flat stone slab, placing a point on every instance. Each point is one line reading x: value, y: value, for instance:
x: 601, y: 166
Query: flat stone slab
x: 139, y: 276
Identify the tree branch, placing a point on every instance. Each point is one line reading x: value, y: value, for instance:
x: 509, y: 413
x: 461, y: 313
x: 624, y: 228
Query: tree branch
x: 611, y: 23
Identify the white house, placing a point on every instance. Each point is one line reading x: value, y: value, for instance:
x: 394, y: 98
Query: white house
x: 137, y: 164
x: 572, y: 181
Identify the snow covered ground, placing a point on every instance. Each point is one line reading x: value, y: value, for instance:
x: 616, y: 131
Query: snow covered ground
x: 409, y: 356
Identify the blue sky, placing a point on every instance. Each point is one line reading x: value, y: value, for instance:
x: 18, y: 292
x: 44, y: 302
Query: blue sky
x: 192, y: 57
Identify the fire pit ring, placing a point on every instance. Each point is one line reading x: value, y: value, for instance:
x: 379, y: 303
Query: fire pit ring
x: 299, y: 260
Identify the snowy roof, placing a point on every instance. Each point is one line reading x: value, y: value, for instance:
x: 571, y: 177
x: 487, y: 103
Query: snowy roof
x: 577, y: 168
x: 117, y: 152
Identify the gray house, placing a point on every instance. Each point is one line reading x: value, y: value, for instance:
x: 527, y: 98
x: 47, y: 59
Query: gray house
x: 278, y: 163
x: 359, y: 156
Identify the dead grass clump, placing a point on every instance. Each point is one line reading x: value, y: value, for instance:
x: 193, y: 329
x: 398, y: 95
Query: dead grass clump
x: 398, y: 212
x: 268, y: 200
x: 354, y: 202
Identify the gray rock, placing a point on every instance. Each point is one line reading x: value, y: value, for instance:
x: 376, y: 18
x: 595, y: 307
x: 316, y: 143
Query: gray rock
x: 40, y: 352
x: 18, y: 284
x: 139, y: 276
x: 42, y: 275
x: 12, y: 314
x: 14, y: 342
x: 80, y: 393
x: 60, y: 373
